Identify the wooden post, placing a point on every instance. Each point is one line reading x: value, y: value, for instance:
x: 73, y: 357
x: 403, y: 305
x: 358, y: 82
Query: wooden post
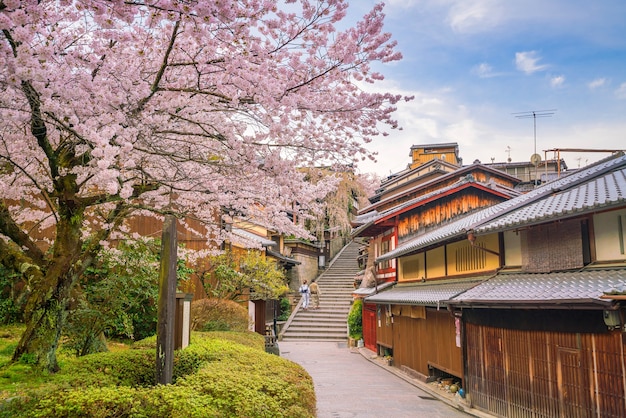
x: 167, y: 303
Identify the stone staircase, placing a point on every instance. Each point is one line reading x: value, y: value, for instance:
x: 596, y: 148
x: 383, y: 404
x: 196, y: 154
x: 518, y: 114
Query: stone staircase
x: 329, y: 322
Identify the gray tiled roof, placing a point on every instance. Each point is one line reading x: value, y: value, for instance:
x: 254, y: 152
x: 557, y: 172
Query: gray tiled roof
x: 423, y: 293
x: 283, y: 258
x: 366, y: 291
x: 595, y: 182
x: 602, y: 192
x: 370, y: 218
x: 457, y: 228
x: 366, y: 217
x: 463, y: 173
x: 544, y: 288
x: 252, y: 238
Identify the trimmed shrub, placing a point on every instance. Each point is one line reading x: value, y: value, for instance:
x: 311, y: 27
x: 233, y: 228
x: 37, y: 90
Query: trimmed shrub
x: 218, y: 315
x: 249, y: 338
x: 128, y: 368
x: 213, y: 377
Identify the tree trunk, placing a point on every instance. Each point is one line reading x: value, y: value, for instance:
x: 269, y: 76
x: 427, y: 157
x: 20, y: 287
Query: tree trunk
x: 46, y: 308
x: 40, y: 340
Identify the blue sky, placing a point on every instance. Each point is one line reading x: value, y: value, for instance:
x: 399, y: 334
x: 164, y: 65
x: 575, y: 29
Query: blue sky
x: 473, y: 64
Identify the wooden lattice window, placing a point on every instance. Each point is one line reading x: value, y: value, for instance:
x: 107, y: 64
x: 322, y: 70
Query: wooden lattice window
x: 471, y: 258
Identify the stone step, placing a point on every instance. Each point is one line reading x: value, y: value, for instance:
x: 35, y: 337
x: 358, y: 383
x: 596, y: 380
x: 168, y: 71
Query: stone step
x: 329, y: 322
x: 341, y: 332
x: 297, y: 337
x: 306, y: 325
x: 314, y: 315
x: 313, y: 320
x: 323, y: 334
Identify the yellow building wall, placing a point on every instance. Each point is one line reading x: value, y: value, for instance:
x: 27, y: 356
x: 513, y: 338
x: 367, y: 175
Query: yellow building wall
x: 435, y: 263
x: 420, y: 155
x: 464, y: 258
x: 411, y: 268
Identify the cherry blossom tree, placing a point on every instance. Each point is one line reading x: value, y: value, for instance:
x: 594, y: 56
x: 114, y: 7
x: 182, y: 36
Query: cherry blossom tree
x: 113, y: 109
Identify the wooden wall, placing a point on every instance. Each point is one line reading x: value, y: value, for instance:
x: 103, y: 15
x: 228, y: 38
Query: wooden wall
x: 384, y: 326
x: 420, y: 342
x: 529, y: 373
x: 445, y: 209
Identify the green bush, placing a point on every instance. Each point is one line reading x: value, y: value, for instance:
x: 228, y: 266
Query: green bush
x: 250, y: 339
x: 117, y: 297
x: 218, y: 315
x: 128, y: 368
x: 355, y: 320
x: 214, y: 377
x: 285, y: 309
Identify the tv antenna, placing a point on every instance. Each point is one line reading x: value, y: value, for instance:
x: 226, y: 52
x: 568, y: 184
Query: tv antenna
x: 547, y: 113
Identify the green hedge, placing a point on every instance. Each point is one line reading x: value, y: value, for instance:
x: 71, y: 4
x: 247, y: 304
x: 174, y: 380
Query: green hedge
x: 213, y: 377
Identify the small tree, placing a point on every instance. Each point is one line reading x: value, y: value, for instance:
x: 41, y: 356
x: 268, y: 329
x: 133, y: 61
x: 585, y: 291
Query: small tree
x: 117, y: 297
x: 249, y: 276
x: 355, y: 320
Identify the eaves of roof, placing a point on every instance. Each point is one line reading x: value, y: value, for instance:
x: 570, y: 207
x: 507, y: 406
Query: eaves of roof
x: 436, y: 145
x: 283, y: 258
x: 438, y: 194
x: 395, y: 177
x: 365, y: 218
x: 253, y: 237
x: 377, y: 219
x: 425, y: 294
x: 543, y: 290
x: 603, y: 192
x: 368, y: 291
x: 457, y: 173
x: 459, y: 228
x: 358, y: 231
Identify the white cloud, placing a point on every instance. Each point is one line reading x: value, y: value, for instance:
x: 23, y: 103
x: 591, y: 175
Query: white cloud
x: 474, y: 15
x: 528, y: 62
x: 598, y: 82
x: 483, y: 70
x: 621, y: 91
x: 557, y: 81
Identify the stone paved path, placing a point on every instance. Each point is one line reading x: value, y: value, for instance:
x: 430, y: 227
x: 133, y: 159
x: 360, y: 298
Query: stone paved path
x: 349, y: 385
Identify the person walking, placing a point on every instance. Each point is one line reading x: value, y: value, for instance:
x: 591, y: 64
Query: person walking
x: 315, y: 295
x: 306, y: 295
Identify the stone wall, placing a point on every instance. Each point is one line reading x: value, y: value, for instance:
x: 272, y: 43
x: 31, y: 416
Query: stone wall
x: 307, y: 254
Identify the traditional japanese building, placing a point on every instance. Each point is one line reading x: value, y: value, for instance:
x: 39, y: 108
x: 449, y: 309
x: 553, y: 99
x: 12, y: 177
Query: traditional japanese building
x: 521, y: 301
x: 429, y: 193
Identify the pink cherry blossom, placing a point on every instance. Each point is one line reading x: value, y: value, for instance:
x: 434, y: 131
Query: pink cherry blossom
x: 116, y: 109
